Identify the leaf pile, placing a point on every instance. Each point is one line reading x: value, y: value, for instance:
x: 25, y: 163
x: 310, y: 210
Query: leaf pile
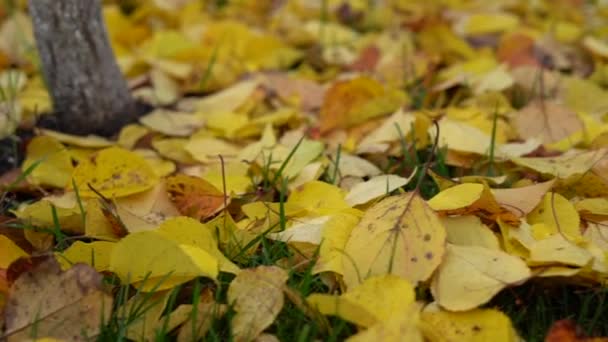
x: 411, y: 159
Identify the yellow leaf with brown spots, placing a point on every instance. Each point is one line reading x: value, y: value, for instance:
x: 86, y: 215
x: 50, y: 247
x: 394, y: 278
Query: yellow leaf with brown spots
x: 114, y: 172
x: 400, y: 235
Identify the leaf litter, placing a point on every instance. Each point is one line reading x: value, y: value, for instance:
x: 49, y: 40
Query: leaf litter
x: 394, y: 166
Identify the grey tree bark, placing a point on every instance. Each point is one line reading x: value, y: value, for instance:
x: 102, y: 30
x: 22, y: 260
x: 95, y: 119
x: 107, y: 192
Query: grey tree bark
x: 89, y: 93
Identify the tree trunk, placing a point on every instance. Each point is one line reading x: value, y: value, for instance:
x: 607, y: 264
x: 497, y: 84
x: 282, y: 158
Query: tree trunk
x: 88, y: 90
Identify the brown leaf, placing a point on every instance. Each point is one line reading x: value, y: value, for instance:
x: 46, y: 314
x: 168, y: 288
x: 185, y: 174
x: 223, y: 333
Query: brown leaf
x: 70, y: 305
x: 368, y: 59
x: 548, y: 120
x: 521, y: 201
x: 516, y: 49
x: 310, y: 93
x: 194, y: 196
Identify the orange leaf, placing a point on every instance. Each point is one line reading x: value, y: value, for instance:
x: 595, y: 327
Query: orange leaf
x: 194, y: 196
x: 345, y: 96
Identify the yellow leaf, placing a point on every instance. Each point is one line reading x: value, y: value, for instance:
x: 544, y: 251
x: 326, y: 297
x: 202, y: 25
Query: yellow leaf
x: 40, y: 214
x: 145, y: 210
x: 153, y: 262
x: 350, y: 165
x: 339, y: 306
x: 334, y: 237
x: 593, y: 208
x: 95, y: 254
x: 382, y: 296
x: 470, y: 198
x: 232, y: 174
x: 559, y: 216
x: 556, y: 249
x: 161, y: 167
x: 318, y: 198
x: 375, y: 187
x: 130, y: 134
x: 389, y: 131
x: 257, y: 296
x: 166, y: 90
x: 477, y: 325
x: 227, y: 100
x: 470, y: 276
x: 583, y: 95
x: 171, y: 123
x: 401, y: 326
x: 96, y: 225
x: 114, y: 172
x: 226, y: 124
x: 304, y: 230
x: 174, y: 149
x: 187, y: 231
x: 53, y: 162
x: 10, y: 252
x: 307, y: 152
x: 91, y: 141
x: 376, y: 300
x: 564, y: 166
x: 206, y: 149
x: 457, y: 197
x: 232, y: 239
x: 484, y: 23
x: 399, y: 235
x: 469, y: 231
x: 167, y: 44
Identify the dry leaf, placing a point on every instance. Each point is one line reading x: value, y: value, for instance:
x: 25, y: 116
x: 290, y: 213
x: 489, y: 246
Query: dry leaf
x: 194, y: 196
x: 548, y: 120
x: 257, y: 296
x: 70, y: 305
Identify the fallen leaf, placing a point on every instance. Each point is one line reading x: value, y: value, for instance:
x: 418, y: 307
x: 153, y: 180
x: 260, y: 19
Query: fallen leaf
x: 475, y: 325
x: 49, y: 161
x: 351, y: 102
x: 376, y: 300
x: 403, y: 325
x: 257, y: 296
x: 10, y: 252
x: 470, y: 276
x: 195, y: 197
x: 521, y: 201
x: 399, y: 235
x: 90, y: 141
x: 548, y: 120
x: 95, y: 254
x: 375, y: 187
x: 468, y: 230
x: 171, y: 123
x: 68, y: 305
x: 155, y: 262
x: 114, y: 172
x: 556, y: 249
x: 470, y: 198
